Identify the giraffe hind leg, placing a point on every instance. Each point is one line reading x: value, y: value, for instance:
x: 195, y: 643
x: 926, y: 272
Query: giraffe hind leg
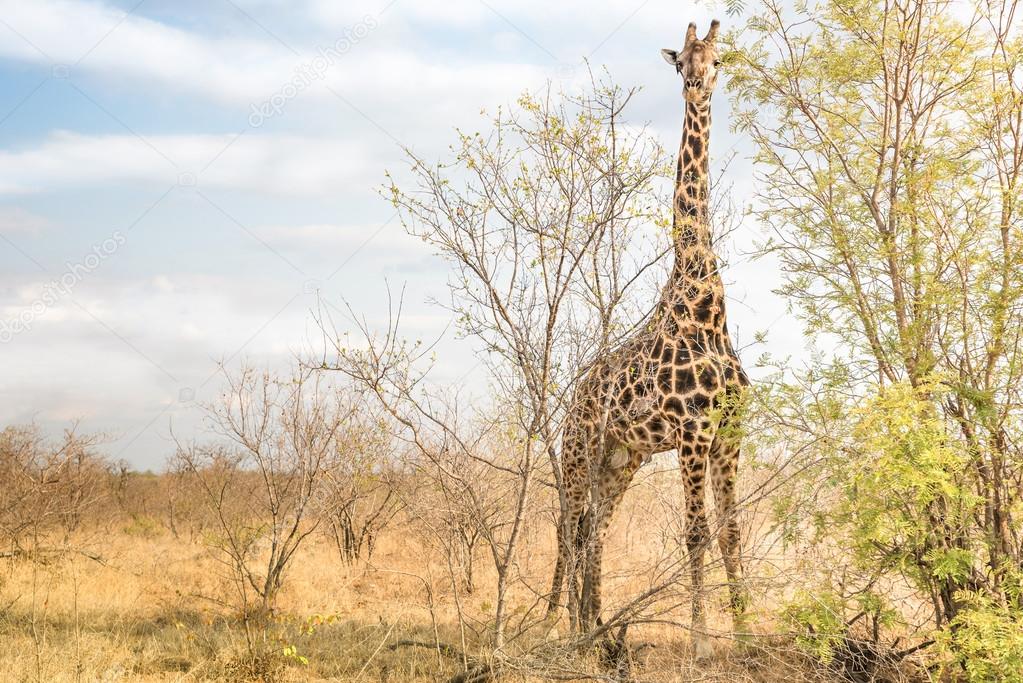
x: 558, y: 581
x: 571, y: 566
x: 570, y: 528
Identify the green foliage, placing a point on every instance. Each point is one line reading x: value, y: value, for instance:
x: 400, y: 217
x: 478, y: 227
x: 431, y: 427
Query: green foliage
x: 817, y: 619
x: 986, y: 641
x: 905, y: 498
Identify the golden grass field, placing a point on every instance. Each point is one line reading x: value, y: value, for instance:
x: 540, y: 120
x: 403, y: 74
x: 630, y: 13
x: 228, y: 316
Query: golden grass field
x: 150, y: 607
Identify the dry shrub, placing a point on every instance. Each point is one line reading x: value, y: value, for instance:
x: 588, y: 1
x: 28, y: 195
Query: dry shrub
x: 49, y: 487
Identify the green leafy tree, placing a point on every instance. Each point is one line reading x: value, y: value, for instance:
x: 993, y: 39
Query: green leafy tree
x: 889, y: 145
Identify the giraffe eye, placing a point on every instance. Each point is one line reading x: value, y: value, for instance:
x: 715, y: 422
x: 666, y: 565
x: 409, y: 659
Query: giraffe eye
x: 717, y: 63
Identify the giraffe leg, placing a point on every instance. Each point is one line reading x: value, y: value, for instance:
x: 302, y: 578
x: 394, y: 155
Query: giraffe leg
x: 572, y: 527
x: 590, y: 577
x: 568, y: 527
x: 575, y: 562
x: 558, y: 580
x: 723, y: 468
x: 611, y: 491
x: 697, y: 535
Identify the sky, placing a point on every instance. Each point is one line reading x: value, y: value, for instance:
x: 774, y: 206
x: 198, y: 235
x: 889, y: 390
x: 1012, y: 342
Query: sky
x: 182, y: 181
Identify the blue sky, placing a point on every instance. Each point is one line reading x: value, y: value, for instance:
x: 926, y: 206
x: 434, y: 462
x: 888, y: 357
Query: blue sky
x: 152, y: 224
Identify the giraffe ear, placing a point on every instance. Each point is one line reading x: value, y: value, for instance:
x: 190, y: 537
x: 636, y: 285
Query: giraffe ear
x: 670, y: 56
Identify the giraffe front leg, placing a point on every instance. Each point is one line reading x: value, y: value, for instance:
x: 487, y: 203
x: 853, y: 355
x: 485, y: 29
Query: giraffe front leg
x: 611, y: 490
x: 724, y: 465
x: 693, y: 461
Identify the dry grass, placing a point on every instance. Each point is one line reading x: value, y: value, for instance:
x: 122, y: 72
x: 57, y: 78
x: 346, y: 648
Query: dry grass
x: 149, y: 611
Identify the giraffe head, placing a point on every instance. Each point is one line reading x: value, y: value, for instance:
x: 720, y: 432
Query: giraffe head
x: 698, y: 63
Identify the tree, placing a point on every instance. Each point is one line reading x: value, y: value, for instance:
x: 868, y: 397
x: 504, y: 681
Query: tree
x: 49, y: 487
x: 889, y: 143
x: 362, y: 487
x: 264, y: 482
x: 552, y: 221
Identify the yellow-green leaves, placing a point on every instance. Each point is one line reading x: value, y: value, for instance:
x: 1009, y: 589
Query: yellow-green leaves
x: 907, y: 497
x: 904, y: 438
x: 817, y: 618
x: 986, y: 641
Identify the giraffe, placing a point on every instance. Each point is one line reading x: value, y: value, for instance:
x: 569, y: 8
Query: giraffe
x: 674, y: 385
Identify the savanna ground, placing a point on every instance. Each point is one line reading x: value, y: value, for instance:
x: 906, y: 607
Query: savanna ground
x: 126, y: 599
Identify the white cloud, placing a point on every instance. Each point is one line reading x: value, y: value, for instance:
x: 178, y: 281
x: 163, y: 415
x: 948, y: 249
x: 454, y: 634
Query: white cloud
x: 163, y: 284
x: 551, y: 24
x: 343, y: 239
x: 171, y: 328
x: 450, y: 14
x: 407, y: 77
x: 64, y: 31
x: 287, y: 165
x: 229, y: 69
x: 14, y: 219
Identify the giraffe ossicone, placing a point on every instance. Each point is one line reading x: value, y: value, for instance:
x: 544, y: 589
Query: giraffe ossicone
x: 675, y: 385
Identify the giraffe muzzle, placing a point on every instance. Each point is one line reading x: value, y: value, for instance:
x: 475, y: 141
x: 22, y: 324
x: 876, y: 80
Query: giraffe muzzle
x: 694, y: 83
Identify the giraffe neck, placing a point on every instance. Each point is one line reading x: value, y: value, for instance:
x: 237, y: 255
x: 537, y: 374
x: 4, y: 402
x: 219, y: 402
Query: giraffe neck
x: 694, y: 293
